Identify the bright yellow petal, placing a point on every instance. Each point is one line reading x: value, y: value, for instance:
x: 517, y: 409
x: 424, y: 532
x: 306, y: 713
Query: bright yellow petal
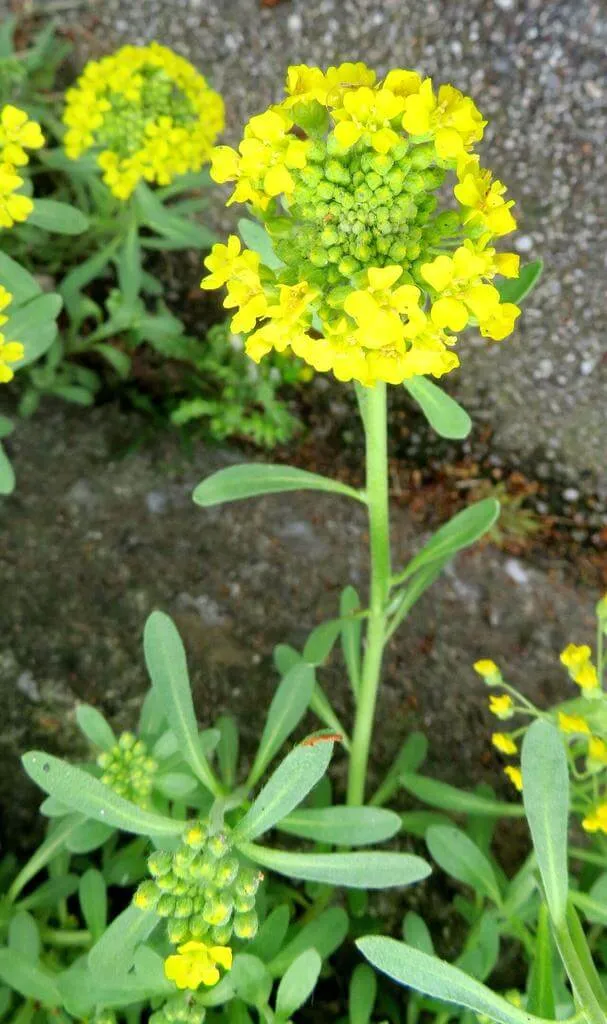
x: 449, y: 313
x: 347, y: 133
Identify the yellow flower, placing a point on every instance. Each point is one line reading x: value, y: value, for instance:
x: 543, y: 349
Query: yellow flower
x: 487, y: 670
x: 17, y: 133
x: 195, y: 963
x: 150, y: 110
x: 13, y: 207
x: 10, y: 352
x: 572, y: 723
x: 483, y: 199
x: 369, y: 112
x: 597, y: 752
x: 451, y: 119
x: 577, y: 659
x: 515, y: 776
x: 504, y: 743
x: 501, y: 705
x: 597, y: 820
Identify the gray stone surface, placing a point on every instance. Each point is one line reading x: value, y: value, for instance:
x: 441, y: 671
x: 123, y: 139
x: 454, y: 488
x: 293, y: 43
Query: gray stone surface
x: 85, y: 556
x: 538, y: 70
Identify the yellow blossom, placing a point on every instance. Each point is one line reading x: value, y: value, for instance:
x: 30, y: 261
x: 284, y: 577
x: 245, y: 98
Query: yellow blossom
x: 504, y: 743
x: 515, y: 776
x: 487, y: 669
x: 14, y: 207
x: 572, y: 723
x: 501, y: 705
x: 196, y: 963
x: 369, y: 112
x: 597, y: 820
x: 17, y: 133
x: 10, y: 352
x: 577, y: 659
x: 483, y: 199
x: 597, y: 751
x: 450, y: 118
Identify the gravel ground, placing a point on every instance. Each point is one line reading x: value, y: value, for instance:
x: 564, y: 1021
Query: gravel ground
x: 537, y: 69
x: 93, y: 540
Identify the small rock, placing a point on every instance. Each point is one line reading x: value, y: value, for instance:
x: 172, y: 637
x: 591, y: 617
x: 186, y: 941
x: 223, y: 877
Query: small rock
x: 27, y: 685
x: 524, y: 243
x: 516, y: 571
x: 571, y: 494
x: 156, y: 502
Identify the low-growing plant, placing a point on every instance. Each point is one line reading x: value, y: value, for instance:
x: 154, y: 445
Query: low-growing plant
x: 350, y: 266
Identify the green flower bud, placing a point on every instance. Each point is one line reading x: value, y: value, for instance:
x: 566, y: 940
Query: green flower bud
x: 167, y: 883
x: 218, y: 845
x: 227, y: 872
x: 222, y: 934
x: 336, y: 172
x: 195, y: 835
x: 318, y: 257
x: 166, y: 905
x: 243, y: 904
x: 178, y: 931
x: 198, y: 926
x: 146, y: 896
x: 325, y: 190
x: 218, y: 911
x: 334, y: 254
x: 246, y: 925
x: 183, y: 907
x: 248, y: 881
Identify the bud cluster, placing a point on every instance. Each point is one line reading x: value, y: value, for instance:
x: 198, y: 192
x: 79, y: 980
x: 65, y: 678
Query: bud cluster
x: 203, y: 890
x: 128, y: 769
x: 180, y: 1009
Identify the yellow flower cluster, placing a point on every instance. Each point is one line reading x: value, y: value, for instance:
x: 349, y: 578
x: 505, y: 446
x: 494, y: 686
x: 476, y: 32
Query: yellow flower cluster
x: 148, y: 111
x: 196, y: 963
x: 577, y: 659
x: 17, y: 134
x: 10, y: 351
x: 368, y: 278
x: 501, y: 705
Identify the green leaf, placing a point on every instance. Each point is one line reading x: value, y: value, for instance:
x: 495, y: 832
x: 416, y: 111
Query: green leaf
x: 175, y: 785
x: 297, y: 984
x: 255, y: 237
x: 94, y: 726
x: 60, y: 218
x: 183, y: 234
x: 28, y: 980
x: 448, y: 798
x: 321, y: 641
x: 289, y: 705
x: 324, y: 933
x: 546, y: 802
x: 86, y: 272
x: 416, y: 933
x: 58, y: 834
x: 369, y: 870
x: 271, y: 936
x: 17, y: 280
x: 540, y: 998
x: 251, y: 979
x: 349, y: 604
x: 417, y: 823
x: 443, y: 413
x: 50, y: 893
x: 343, y: 826
x: 285, y: 657
x: 515, y: 290
x: 24, y: 937
x: 362, y: 994
x: 168, y: 669
x: 438, y: 979
x: 461, y: 858
x: 113, y: 952
x: 227, y: 750
x: 464, y: 529
x: 321, y: 706
x: 7, y: 474
x: 33, y: 324
x: 410, y: 757
x: 6, y: 427
x: 129, y: 266
x: 252, y: 479
x: 81, y: 792
x: 594, y: 903
x: 411, y: 594
x: 295, y: 776
x: 7, y: 30
x: 118, y: 360
x: 89, y: 836
x: 92, y: 893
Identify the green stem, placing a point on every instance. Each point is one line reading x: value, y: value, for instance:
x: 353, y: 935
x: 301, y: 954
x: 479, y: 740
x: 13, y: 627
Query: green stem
x: 375, y: 423
x: 58, y: 937
x: 584, y: 981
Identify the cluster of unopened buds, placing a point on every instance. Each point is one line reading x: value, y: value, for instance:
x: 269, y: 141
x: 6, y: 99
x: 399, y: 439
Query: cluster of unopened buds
x: 147, y: 112
x: 17, y: 135
x: 207, y: 895
x: 128, y: 769
x: 369, y: 278
x: 582, y: 722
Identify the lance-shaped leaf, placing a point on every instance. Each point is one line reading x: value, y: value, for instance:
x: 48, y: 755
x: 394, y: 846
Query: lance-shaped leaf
x: 286, y: 788
x: 516, y: 289
x: 255, y: 237
x: 443, y: 413
x: 168, y: 668
x: 464, y: 529
x: 546, y: 801
x: 61, y: 218
x: 324, y: 933
x: 342, y: 826
x: 369, y: 870
x: 252, y: 479
x: 55, y: 842
x: 460, y: 857
x: 449, y: 798
x: 29, y: 980
x: 113, y: 953
x: 297, y: 984
x: 81, y: 792
x: 438, y: 979
x: 289, y: 705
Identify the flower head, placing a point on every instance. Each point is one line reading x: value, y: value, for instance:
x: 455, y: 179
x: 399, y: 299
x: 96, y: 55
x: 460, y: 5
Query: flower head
x: 197, y: 964
x: 504, y: 743
x: 572, y: 723
x: 14, y: 207
x: 515, y: 776
x: 597, y: 754
x: 17, y: 133
x: 577, y: 659
x: 488, y: 671
x: 501, y: 705
x: 596, y: 821
x: 148, y: 111
x: 10, y: 351
x: 345, y: 174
